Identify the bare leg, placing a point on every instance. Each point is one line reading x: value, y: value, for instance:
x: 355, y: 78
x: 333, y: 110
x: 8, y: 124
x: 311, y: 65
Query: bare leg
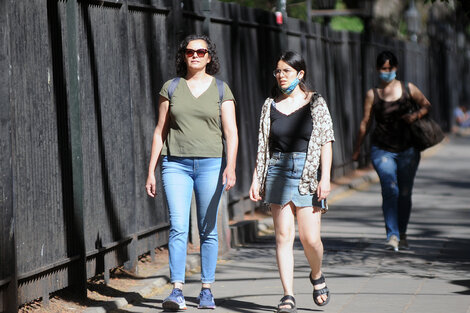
x: 284, y: 226
x: 309, y: 222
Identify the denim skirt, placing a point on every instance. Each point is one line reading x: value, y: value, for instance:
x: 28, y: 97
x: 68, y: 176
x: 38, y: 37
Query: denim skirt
x: 283, y: 178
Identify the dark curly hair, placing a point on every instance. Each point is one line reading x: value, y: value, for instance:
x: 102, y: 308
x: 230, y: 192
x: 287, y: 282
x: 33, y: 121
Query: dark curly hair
x: 296, y: 61
x: 181, y: 67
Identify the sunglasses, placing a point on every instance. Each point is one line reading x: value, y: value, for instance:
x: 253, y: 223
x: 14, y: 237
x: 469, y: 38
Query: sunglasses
x: 200, y: 52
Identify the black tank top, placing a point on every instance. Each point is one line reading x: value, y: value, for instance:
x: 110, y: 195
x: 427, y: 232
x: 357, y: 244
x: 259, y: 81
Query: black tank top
x: 391, y: 132
x: 290, y: 133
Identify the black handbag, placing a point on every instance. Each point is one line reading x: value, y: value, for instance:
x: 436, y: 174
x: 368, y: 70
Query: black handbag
x: 425, y: 132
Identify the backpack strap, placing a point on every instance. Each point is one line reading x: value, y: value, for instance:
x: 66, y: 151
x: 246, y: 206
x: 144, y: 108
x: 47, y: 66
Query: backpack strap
x: 220, y: 87
x: 175, y: 81
x: 171, y: 88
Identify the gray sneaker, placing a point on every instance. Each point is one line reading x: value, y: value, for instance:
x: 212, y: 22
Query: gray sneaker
x: 392, y: 243
x: 403, y: 244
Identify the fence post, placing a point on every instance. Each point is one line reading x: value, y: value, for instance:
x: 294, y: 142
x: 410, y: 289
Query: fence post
x: 206, y: 10
x: 11, y: 295
x: 9, y: 300
x: 364, y: 65
x: 174, y: 32
x: 75, y: 147
x: 132, y: 253
x: 281, y: 7
x: 308, y: 25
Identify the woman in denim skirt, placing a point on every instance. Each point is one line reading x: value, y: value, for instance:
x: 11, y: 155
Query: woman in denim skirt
x: 294, y: 146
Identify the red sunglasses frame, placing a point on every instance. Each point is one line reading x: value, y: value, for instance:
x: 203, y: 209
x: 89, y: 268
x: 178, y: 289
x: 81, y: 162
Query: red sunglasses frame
x: 200, y: 52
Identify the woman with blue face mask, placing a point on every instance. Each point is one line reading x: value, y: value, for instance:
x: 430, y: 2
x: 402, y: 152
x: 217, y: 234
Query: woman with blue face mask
x: 294, y: 146
x: 392, y: 153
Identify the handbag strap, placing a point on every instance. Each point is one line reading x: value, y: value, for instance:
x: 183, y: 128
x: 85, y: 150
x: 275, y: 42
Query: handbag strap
x: 413, y: 105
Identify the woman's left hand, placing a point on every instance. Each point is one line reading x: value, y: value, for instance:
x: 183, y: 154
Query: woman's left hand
x: 229, y: 178
x: 410, y: 117
x: 323, y: 190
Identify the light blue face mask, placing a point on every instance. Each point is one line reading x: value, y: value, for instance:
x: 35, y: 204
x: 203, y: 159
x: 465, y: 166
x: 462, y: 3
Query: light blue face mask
x: 291, y: 87
x: 387, y: 76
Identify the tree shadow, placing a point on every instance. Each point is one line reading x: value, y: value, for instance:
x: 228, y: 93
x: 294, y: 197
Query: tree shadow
x: 427, y: 247
x: 464, y: 283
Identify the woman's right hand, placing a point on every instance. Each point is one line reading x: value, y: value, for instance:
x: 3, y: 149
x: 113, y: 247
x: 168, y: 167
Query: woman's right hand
x: 150, y: 185
x: 254, y: 191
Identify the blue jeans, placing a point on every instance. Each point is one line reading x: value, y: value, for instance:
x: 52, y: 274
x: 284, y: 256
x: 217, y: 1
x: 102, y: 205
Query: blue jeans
x: 182, y: 175
x: 396, y: 171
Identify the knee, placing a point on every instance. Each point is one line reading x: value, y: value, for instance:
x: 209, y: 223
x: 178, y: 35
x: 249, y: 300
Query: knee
x: 405, y: 192
x: 208, y: 236
x: 313, y: 242
x: 285, y: 237
x: 179, y: 230
x: 390, y: 189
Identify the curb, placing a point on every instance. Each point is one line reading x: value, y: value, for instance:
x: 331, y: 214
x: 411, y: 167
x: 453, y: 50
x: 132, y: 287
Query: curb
x: 135, y: 293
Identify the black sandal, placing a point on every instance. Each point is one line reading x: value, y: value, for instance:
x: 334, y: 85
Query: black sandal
x: 319, y: 292
x: 284, y: 302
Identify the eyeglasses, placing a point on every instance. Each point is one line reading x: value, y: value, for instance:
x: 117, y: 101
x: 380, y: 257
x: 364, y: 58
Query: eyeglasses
x: 200, y: 52
x: 286, y: 72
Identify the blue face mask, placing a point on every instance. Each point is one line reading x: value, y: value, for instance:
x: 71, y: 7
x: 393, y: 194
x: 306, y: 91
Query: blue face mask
x: 291, y: 87
x: 387, y: 76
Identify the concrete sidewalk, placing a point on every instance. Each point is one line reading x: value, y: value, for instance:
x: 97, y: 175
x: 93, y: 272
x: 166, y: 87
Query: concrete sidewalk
x: 363, y: 277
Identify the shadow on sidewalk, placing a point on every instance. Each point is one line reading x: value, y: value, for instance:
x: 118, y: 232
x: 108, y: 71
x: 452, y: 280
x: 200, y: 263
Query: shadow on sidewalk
x: 431, y: 254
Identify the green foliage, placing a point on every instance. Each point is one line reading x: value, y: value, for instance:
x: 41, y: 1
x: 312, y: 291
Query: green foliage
x: 349, y: 23
x: 297, y: 10
x: 403, y: 28
x: 353, y: 24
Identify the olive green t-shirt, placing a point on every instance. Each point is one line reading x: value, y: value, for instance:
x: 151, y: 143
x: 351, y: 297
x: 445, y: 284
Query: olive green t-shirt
x: 194, y: 126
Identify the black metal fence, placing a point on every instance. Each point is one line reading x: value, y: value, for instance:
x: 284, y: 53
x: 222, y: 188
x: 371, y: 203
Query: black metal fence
x: 78, y: 86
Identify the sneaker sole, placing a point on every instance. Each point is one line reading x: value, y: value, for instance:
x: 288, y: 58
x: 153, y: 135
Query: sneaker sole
x: 206, y: 307
x: 172, y: 306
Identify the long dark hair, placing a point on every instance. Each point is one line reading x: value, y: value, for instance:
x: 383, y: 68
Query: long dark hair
x: 181, y: 67
x: 385, y: 56
x: 296, y: 61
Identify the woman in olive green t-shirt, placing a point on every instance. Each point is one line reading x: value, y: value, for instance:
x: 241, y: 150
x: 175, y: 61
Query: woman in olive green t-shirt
x: 192, y: 122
